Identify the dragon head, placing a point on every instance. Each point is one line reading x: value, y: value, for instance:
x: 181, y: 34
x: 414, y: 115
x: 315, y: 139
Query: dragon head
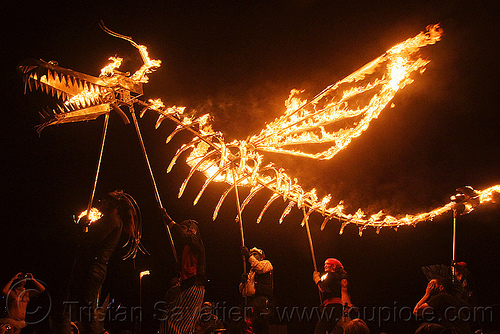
x: 82, y: 97
x: 79, y: 97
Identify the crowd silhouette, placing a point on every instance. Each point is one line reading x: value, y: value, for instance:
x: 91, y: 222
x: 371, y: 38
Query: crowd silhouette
x: 448, y: 304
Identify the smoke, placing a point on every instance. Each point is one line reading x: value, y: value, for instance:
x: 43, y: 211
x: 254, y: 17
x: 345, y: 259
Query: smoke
x: 242, y: 112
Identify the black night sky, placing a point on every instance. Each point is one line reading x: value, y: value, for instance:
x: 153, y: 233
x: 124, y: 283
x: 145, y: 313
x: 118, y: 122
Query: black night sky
x: 238, y: 60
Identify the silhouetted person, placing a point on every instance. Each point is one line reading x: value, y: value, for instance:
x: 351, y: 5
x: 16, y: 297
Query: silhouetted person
x: 432, y: 328
x: 356, y: 326
x: 440, y: 306
x: 120, y: 214
x: 185, y: 309
x: 208, y: 322
x: 462, y: 280
x: 17, y: 299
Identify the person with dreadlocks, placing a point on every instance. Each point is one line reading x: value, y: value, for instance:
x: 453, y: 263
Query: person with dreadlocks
x: 184, y: 311
x: 120, y: 214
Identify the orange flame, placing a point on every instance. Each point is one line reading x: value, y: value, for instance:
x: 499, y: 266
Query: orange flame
x: 109, y: 69
x: 93, y: 216
x: 358, y: 99
x: 375, y: 85
x: 149, y: 66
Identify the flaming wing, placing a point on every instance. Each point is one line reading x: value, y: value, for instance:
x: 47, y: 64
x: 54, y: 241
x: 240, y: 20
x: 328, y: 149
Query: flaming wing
x: 355, y: 101
x: 334, y: 117
x: 344, y: 110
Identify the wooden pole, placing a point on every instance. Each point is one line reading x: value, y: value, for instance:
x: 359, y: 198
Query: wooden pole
x: 153, y: 182
x: 311, y: 247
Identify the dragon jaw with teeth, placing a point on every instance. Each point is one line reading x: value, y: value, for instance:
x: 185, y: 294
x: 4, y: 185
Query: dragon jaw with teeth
x: 81, y: 97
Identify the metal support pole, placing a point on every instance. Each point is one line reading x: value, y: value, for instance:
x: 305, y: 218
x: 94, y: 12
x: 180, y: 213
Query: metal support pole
x: 153, y: 182
x: 141, y: 275
x: 139, y: 323
x: 454, y: 242
x: 103, y: 140
x: 89, y: 206
x: 238, y: 206
x: 311, y: 247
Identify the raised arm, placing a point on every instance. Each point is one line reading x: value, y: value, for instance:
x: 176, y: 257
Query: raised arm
x: 421, y: 305
x: 7, y: 286
x: 39, y: 288
x: 260, y: 267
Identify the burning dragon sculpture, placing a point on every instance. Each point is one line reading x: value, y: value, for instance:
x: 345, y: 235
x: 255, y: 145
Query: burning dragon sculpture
x: 337, y: 115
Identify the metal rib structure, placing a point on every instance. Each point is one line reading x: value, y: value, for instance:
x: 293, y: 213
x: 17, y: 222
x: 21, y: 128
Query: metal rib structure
x: 336, y: 116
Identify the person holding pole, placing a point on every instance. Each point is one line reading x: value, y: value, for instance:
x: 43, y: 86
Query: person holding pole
x: 119, y: 213
x: 185, y: 310
x: 333, y: 289
x: 257, y: 287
